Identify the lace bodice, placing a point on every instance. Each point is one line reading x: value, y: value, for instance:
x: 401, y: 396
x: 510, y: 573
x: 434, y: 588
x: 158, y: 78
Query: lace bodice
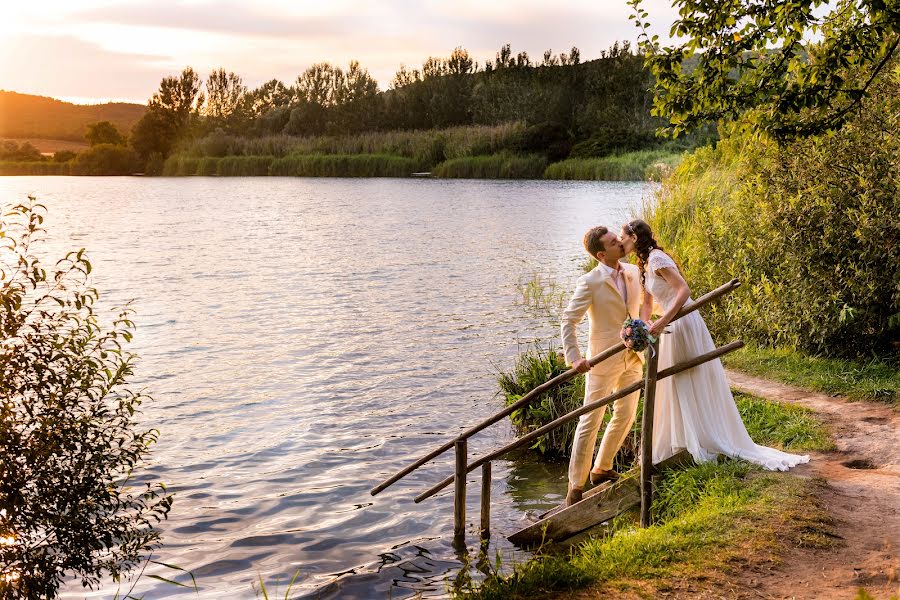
x: 661, y: 291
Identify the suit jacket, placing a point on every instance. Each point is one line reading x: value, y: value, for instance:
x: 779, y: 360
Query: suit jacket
x: 596, y: 295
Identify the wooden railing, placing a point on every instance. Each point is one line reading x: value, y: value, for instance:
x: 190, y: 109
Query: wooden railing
x: 460, y: 442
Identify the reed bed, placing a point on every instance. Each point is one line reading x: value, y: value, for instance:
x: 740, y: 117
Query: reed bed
x: 632, y: 166
x: 358, y: 165
x: 494, y: 166
x: 431, y: 146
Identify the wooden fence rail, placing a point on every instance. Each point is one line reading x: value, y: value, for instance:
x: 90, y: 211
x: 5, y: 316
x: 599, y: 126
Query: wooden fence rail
x: 541, y: 389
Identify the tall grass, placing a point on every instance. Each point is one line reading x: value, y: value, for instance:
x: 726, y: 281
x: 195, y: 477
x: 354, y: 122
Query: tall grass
x: 329, y: 165
x: 534, y: 366
x: 430, y: 146
x: 494, y: 166
x: 317, y: 165
x: 631, y: 166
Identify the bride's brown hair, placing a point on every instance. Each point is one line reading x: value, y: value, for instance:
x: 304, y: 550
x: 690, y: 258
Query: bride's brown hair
x: 644, y: 243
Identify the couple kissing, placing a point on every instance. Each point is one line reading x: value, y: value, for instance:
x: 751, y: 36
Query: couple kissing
x: 694, y: 409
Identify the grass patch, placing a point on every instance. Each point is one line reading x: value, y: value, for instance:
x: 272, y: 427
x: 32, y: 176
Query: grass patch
x: 708, y: 516
x: 631, y: 166
x: 493, y: 166
x: 705, y: 516
x: 783, y: 426
x: 873, y: 379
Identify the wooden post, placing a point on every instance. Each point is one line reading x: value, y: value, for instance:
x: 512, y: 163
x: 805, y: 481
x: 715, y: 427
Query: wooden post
x: 486, y: 501
x: 459, y: 499
x: 647, y: 434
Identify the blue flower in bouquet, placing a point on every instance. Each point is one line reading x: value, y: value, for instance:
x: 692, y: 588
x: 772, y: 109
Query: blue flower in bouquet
x: 636, y: 335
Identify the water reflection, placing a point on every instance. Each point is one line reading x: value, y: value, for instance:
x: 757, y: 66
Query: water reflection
x: 304, y: 339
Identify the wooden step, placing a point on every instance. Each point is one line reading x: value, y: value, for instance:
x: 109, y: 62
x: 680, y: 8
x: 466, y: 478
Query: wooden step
x: 598, y: 505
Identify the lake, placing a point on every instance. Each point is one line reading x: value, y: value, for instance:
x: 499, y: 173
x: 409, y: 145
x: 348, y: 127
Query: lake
x: 303, y: 339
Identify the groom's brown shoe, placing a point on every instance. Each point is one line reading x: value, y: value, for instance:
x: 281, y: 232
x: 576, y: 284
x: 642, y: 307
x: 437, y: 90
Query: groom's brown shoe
x: 574, y: 496
x: 598, y: 477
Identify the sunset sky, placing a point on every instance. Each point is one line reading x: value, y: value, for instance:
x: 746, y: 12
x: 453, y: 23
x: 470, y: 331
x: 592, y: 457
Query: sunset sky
x: 89, y: 51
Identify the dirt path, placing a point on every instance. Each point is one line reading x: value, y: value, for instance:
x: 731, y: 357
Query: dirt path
x: 862, y: 495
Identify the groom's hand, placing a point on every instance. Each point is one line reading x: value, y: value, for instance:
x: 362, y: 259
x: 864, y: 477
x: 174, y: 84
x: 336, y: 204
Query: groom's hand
x: 581, y: 365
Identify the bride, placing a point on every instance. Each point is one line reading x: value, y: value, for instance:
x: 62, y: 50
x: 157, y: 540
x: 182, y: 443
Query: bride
x: 694, y: 409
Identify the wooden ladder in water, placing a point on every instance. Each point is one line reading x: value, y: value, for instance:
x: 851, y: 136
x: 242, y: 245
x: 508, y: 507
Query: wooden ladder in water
x: 600, y: 503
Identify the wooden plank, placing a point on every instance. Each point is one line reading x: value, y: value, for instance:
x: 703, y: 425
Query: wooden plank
x: 591, y: 511
x: 595, y: 508
x: 594, y: 490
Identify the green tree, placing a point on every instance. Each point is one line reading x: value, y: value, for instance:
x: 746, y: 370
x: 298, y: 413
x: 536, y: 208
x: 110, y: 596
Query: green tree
x: 171, y: 113
x: 794, y: 67
x: 69, y: 441
x: 224, y: 95
x: 104, y: 132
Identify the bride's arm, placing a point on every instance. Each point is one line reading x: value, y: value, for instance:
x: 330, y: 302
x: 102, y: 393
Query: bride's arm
x: 682, y: 293
x: 646, y: 307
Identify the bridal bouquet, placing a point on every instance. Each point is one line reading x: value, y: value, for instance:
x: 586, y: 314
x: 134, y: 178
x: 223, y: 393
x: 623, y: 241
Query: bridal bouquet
x: 636, y: 335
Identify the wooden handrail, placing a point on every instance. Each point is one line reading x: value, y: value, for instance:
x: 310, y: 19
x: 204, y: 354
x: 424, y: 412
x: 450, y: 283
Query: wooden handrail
x: 688, y: 364
x: 541, y: 389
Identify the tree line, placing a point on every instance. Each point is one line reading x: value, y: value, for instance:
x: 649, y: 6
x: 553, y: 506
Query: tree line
x: 604, y: 103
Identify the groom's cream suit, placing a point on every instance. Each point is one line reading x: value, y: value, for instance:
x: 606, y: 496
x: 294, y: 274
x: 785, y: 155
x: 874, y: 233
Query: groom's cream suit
x: 607, y: 301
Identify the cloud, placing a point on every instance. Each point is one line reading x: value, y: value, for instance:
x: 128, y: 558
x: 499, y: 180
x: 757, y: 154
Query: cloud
x: 225, y: 18
x: 67, y: 66
x: 123, y: 49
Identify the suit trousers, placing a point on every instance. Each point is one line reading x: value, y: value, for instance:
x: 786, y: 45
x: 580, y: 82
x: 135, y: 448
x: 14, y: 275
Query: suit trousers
x: 624, y: 409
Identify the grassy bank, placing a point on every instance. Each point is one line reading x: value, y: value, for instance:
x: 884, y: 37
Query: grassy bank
x: 632, y: 166
x: 706, y: 517
x: 857, y: 379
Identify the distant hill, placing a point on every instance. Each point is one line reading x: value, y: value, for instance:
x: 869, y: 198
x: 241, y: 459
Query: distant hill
x: 27, y: 116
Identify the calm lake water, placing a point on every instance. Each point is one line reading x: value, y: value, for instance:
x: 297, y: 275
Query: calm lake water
x: 305, y: 338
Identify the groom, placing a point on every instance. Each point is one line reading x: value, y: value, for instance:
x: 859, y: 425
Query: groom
x: 609, y: 293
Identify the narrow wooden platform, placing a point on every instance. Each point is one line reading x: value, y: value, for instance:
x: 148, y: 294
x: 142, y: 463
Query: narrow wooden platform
x: 599, y: 504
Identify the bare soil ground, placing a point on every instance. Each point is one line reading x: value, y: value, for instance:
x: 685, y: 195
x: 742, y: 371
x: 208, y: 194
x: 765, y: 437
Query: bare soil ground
x: 854, y: 528
x: 861, y: 493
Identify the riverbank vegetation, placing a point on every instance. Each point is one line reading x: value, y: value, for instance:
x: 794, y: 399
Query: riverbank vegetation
x: 509, y: 117
x: 69, y: 433
x: 872, y: 379
x: 810, y: 227
x: 706, y: 518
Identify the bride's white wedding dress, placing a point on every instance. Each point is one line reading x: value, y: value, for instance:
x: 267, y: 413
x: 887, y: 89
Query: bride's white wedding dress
x: 694, y: 409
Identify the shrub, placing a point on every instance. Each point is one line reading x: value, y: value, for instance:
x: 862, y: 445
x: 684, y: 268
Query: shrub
x: 811, y: 229
x: 533, y: 367
x: 106, y: 159
x: 612, y: 141
x: 550, y: 139
x: 68, y: 438
x: 634, y: 166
